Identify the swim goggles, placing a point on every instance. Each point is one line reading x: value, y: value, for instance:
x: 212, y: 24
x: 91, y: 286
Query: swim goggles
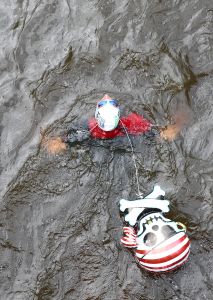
x: 113, y: 102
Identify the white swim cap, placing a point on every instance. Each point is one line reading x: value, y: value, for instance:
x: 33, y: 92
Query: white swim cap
x: 107, y: 113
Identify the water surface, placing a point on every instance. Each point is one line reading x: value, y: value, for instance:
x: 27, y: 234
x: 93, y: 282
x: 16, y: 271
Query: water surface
x: 59, y: 219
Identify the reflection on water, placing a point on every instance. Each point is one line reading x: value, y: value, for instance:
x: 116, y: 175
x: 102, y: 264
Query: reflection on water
x: 59, y: 219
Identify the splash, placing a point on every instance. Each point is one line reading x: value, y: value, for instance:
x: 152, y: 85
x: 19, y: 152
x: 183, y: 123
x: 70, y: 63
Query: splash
x: 134, y: 124
x: 170, y: 132
x: 54, y: 145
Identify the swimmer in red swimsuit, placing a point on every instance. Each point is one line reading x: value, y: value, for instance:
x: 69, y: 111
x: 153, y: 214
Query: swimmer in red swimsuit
x: 108, y: 124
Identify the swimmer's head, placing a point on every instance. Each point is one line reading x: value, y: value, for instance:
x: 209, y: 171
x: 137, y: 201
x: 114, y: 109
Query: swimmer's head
x: 107, y: 113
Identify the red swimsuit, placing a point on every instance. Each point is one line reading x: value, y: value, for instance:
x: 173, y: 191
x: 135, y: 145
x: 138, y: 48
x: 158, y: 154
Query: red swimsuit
x: 134, y: 124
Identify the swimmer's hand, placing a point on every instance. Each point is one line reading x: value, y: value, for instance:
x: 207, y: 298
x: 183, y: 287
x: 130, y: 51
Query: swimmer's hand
x: 170, y: 132
x: 54, y: 145
x: 180, y: 120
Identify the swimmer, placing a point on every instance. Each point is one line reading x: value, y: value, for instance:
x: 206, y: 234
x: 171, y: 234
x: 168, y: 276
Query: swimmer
x: 108, y: 124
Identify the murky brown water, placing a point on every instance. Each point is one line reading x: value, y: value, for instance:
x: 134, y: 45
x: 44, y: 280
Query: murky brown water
x: 59, y: 219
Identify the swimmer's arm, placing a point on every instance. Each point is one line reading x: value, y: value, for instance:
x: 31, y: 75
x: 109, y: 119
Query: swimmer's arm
x: 76, y: 135
x: 154, y: 131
